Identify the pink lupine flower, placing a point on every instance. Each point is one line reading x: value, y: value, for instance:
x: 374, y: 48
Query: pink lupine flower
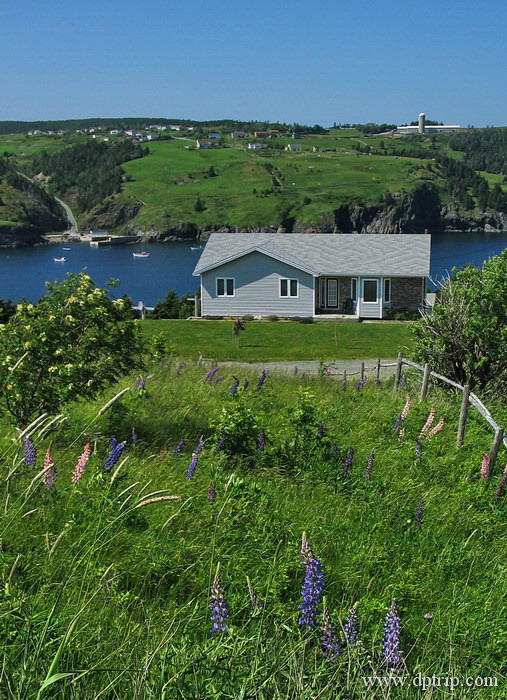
x: 81, y: 464
x: 406, y: 408
x: 428, y: 423
x: 50, y: 477
x: 436, y: 429
x: 485, y: 466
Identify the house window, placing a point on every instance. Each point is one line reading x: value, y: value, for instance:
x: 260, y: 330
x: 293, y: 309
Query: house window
x: 387, y: 291
x: 370, y: 291
x: 225, y: 286
x: 289, y: 288
x: 353, y: 289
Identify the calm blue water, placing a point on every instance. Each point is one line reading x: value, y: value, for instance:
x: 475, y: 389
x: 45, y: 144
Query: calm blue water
x: 23, y: 271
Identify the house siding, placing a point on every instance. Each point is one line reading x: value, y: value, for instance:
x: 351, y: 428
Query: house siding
x: 406, y: 293
x: 257, y: 289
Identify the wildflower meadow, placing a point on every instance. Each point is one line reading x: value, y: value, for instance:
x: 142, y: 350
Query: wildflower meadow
x: 265, y: 536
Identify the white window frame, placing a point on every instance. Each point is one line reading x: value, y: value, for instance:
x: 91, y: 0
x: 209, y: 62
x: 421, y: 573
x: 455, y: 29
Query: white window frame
x: 387, y: 297
x: 352, y: 281
x: 288, y: 295
x: 225, y: 280
x: 369, y: 279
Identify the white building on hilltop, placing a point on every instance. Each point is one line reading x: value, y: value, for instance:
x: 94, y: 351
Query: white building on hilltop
x: 422, y: 128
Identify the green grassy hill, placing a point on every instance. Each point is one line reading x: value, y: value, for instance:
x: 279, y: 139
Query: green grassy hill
x: 107, y: 580
x: 178, y: 189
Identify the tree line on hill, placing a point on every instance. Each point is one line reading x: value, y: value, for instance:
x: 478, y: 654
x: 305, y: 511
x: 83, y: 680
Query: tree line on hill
x: 91, y: 169
x: 484, y: 149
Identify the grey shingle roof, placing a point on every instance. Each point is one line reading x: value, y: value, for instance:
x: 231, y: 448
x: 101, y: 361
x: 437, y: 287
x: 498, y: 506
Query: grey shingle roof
x: 346, y: 254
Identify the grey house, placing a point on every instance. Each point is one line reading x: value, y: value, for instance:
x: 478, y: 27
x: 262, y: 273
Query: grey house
x: 298, y: 274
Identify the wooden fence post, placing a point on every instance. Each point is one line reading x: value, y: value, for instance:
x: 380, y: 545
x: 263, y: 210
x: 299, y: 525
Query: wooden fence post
x: 425, y: 381
x: 362, y: 371
x: 463, y: 415
x: 399, y: 364
x: 345, y: 376
x: 493, y: 453
x: 378, y: 371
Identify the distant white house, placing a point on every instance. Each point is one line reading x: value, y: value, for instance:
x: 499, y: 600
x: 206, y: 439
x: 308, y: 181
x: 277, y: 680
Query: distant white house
x: 132, y: 132
x: 36, y: 132
x: 200, y: 143
x: 152, y: 137
x: 175, y: 127
x: 115, y: 132
x: 239, y: 135
x: 255, y: 146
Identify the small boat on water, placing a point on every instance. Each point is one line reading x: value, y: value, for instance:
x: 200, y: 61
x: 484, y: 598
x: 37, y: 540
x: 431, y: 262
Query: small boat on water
x: 65, y: 248
x: 196, y: 247
x: 143, y: 254
x: 60, y: 259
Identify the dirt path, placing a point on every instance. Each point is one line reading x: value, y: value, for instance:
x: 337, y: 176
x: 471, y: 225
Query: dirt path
x: 312, y: 367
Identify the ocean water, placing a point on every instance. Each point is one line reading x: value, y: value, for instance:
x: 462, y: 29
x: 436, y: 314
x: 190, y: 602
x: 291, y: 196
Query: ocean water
x: 24, y: 271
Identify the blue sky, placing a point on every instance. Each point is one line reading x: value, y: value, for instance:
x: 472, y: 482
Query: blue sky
x: 319, y: 62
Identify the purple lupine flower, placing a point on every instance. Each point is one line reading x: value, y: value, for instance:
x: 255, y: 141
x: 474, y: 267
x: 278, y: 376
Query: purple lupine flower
x: 209, y: 375
x: 418, y: 515
x: 81, y: 464
x: 245, y: 384
x: 221, y: 442
x: 179, y: 368
x: 397, y: 422
x: 369, y: 466
x: 334, y: 450
x: 142, y: 384
x: 212, y: 493
x: 134, y: 438
x: 418, y: 448
x: 262, y: 379
x: 234, y: 386
x: 331, y: 643
x: 218, y: 380
x: 320, y: 431
x: 403, y: 382
x: 254, y: 598
x: 30, y: 456
x: 261, y: 442
x: 192, y: 466
x: 113, y: 457
x: 312, y: 588
x: 200, y: 445
x: 501, y: 486
x: 360, y: 384
x: 347, y: 462
x: 351, y: 626
x: 218, y: 605
x: 179, y: 447
x: 112, y: 443
x: 391, y: 652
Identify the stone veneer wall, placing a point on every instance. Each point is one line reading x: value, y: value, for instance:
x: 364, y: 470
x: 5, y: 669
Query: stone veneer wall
x: 406, y: 293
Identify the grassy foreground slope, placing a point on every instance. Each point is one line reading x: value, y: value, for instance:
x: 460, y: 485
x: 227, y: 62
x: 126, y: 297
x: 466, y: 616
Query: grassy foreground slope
x: 107, y: 580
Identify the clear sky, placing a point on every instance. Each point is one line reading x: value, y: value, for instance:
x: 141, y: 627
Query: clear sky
x: 308, y: 62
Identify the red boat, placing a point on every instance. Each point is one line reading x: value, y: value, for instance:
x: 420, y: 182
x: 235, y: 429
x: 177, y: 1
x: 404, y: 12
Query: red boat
x: 143, y: 254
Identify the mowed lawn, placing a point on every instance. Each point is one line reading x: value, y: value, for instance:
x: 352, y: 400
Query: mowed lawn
x: 266, y: 341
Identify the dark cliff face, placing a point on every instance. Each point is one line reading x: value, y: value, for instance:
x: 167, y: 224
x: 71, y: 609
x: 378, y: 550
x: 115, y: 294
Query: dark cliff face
x: 111, y: 214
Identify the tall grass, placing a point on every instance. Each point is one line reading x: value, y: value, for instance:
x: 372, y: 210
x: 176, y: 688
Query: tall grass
x: 107, y: 581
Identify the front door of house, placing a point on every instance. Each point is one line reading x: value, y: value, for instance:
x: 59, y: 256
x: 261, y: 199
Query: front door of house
x: 332, y: 293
